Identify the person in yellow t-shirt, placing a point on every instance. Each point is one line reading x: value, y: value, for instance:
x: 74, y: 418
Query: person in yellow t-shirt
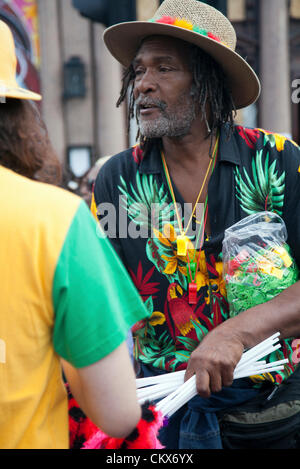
x: 58, y: 300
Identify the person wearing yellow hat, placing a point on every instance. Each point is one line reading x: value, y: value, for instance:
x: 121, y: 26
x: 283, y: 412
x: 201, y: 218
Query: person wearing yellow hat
x: 57, y: 293
x: 202, y: 173
x: 9, y: 87
x: 25, y: 146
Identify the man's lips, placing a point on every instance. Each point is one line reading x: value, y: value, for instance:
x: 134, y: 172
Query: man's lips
x: 144, y: 111
x: 146, y: 107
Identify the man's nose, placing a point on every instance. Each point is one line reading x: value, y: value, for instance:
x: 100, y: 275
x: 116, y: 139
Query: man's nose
x: 146, y: 83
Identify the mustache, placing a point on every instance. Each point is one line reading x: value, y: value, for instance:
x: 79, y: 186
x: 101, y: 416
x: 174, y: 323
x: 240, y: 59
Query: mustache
x: 142, y: 102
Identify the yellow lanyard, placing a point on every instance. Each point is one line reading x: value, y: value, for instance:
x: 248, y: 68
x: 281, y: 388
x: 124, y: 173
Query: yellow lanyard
x: 182, y: 240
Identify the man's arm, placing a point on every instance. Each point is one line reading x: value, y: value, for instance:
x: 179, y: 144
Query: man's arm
x: 106, y: 392
x: 215, y: 359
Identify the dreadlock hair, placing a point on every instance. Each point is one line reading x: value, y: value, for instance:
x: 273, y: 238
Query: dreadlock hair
x: 210, y: 87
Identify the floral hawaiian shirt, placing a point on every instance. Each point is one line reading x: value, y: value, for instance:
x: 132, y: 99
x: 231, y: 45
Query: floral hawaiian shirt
x: 255, y: 171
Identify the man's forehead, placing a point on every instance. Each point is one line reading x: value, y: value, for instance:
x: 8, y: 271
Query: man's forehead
x: 163, y: 45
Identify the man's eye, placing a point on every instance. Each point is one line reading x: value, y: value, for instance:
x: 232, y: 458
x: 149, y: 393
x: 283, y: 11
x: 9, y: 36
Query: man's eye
x: 164, y: 69
x: 138, y: 72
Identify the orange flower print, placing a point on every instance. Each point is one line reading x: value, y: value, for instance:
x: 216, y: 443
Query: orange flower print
x: 174, y: 262
x: 157, y: 318
x: 217, y: 283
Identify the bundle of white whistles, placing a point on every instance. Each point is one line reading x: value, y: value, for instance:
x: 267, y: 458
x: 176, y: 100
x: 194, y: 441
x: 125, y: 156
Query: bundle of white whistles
x: 176, y: 393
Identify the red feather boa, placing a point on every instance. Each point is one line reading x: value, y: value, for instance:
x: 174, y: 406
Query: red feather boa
x: 85, y: 435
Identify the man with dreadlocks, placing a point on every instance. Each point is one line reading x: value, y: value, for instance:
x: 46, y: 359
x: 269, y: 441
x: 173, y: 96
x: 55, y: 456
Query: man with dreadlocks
x: 179, y: 191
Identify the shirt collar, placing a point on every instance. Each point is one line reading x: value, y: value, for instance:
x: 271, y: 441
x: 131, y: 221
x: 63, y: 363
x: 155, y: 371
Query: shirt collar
x: 151, y: 163
x: 228, y: 148
x: 228, y: 152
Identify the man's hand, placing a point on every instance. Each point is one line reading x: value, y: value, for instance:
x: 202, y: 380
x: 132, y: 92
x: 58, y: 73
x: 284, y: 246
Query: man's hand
x: 214, y: 360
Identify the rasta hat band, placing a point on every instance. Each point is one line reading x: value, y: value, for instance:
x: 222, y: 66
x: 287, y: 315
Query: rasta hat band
x: 9, y: 87
x: 196, y: 23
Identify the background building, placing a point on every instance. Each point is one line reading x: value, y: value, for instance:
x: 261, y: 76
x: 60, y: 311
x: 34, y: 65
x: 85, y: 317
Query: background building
x: 62, y: 55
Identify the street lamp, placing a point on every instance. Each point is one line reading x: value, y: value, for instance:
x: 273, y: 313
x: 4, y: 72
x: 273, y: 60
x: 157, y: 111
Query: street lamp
x: 74, y: 78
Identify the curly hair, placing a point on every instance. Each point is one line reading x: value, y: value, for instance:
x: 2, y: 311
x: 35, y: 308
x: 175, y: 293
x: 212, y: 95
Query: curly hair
x: 210, y: 86
x: 24, y: 143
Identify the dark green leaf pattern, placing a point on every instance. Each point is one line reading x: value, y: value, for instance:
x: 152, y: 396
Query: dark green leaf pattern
x: 265, y: 191
x: 149, y: 197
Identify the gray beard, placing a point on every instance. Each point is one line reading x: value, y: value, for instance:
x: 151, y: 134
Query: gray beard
x: 172, y: 122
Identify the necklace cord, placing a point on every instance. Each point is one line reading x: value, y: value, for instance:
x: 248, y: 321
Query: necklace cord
x: 205, y: 213
x: 167, y: 174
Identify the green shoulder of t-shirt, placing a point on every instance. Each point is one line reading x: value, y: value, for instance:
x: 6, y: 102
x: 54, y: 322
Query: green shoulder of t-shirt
x: 95, y: 301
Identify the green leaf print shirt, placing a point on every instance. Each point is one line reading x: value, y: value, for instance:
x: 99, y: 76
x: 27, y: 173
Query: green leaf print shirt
x: 255, y: 171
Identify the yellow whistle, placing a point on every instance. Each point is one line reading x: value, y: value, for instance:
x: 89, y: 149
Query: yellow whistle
x: 182, y: 244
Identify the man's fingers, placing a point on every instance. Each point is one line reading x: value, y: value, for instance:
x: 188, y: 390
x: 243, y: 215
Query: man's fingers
x: 227, y: 377
x: 210, y: 379
x: 202, y: 380
x: 203, y: 384
x: 189, y: 372
x: 215, y: 382
x: 213, y: 362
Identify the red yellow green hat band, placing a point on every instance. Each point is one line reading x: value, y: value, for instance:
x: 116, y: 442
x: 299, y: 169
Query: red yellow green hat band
x: 185, y: 24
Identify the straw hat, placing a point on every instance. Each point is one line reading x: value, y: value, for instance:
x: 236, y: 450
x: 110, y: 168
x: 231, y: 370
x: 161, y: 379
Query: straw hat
x: 9, y: 87
x: 199, y: 24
